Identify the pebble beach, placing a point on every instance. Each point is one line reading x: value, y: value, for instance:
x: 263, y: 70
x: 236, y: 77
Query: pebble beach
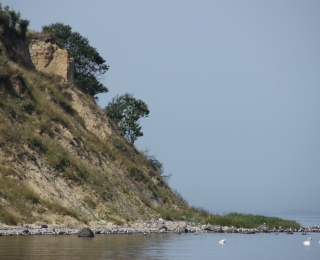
x: 157, y: 226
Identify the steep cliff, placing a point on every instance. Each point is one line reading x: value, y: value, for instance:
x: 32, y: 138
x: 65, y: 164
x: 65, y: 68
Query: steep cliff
x: 62, y: 160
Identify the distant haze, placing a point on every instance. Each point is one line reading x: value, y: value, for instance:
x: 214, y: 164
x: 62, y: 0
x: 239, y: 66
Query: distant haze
x: 233, y: 89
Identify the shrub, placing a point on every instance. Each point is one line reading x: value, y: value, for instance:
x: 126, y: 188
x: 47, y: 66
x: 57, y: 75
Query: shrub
x: 9, y: 19
x: 23, y: 26
x: 137, y: 175
x: 180, y: 198
x: 26, y: 105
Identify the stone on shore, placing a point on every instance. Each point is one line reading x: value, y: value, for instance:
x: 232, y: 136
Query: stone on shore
x: 41, y: 224
x: 214, y: 228
x: 231, y: 230
x: 85, y: 232
x: 263, y: 228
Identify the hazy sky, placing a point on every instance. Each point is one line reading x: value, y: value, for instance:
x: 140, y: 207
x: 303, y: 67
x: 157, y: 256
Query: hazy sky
x: 233, y: 89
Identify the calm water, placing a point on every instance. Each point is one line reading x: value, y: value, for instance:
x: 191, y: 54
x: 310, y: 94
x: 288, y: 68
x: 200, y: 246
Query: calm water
x: 166, y: 246
x: 304, y: 220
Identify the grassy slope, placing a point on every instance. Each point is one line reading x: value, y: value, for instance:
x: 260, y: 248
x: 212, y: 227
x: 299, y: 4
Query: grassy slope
x: 116, y: 182
x: 32, y: 123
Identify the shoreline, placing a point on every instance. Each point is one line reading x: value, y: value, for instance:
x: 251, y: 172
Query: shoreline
x: 158, y: 226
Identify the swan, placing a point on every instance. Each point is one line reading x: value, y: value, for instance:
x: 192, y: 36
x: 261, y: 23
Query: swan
x: 223, y: 241
x: 307, y: 243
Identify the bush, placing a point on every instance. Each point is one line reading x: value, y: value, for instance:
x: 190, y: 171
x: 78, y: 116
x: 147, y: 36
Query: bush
x: 9, y: 20
x: 137, y: 175
x: 23, y: 26
x: 26, y: 106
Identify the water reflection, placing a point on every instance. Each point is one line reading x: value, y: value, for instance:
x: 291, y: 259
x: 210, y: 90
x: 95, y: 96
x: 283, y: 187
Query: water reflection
x: 160, y: 246
x: 72, y: 247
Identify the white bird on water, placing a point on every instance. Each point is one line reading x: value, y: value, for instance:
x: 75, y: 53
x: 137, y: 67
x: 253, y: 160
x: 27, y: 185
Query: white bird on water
x: 223, y: 241
x: 307, y: 243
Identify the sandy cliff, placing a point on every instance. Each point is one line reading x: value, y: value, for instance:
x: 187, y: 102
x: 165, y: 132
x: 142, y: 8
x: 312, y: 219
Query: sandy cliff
x: 62, y: 160
x: 49, y: 58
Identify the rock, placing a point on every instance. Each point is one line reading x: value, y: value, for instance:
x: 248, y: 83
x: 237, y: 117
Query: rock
x: 161, y: 226
x: 49, y: 58
x: 183, y: 229
x: 42, y: 224
x: 25, y: 232
x: 232, y: 230
x: 161, y: 221
x: 214, y: 228
x: 263, y: 227
x: 203, y: 227
x: 85, y: 232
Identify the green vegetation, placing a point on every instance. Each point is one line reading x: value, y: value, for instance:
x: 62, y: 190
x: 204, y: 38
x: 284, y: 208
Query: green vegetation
x: 250, y: 221
x: 21, y: 197
x: 202, y: 216
x: 137, y: 175
x: 7, y: 218
x: 125, y: 111
x: 156, y: 164
x: 10, y: 21
x: 89, y: 65
x: 13, y: 31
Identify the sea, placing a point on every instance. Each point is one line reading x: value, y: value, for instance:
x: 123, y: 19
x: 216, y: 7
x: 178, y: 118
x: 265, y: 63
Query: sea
x: 167, y: 246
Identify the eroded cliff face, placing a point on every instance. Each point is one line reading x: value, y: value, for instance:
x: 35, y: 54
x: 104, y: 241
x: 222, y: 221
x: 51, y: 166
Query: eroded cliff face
x: 57, y: 144
x: 49, y: 58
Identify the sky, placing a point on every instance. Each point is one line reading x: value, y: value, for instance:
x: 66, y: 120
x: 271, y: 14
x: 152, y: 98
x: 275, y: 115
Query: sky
x: 233, y: 89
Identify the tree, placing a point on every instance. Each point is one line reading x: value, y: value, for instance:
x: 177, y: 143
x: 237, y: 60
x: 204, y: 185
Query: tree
x: 10, y: 20
x: 125, y: 110
x: 89, y: 65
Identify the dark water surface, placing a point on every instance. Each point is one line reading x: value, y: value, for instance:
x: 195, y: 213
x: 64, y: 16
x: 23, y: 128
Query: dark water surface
x: 161, y: 246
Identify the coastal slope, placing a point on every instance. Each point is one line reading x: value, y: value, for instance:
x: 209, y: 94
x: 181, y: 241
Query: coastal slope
x: 62, y: 160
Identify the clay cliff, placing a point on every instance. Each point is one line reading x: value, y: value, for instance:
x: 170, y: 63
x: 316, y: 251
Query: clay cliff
x: 47, y: 57
x: 62, y: 160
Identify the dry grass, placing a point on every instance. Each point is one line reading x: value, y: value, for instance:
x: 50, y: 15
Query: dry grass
x: 7, y: 218
x: 38, y: 119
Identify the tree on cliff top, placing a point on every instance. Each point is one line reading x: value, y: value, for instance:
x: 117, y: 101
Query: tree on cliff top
x: 11, y: 21
x: 89, y: 65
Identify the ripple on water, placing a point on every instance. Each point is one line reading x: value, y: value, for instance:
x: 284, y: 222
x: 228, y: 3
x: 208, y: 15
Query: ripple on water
x: 161, y: 246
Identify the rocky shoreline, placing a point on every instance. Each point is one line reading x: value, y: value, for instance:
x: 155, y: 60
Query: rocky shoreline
x: 158, y: 226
